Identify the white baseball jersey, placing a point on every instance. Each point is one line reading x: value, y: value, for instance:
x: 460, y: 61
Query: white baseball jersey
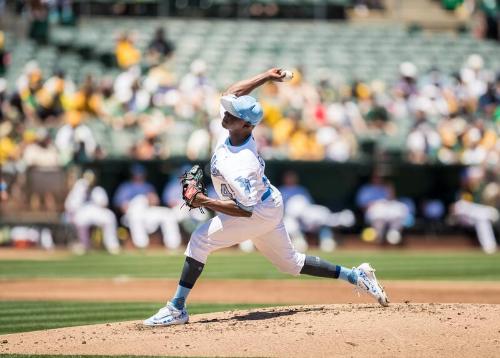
x: 238, y: 174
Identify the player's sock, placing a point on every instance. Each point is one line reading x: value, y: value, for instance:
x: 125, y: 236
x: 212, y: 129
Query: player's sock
x: 348, y: 275
x: 316, y: 266
x: 179, y: 299
x: 190, y: 272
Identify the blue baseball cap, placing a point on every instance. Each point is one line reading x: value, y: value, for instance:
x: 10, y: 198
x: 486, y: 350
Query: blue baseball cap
x: 244, y: 107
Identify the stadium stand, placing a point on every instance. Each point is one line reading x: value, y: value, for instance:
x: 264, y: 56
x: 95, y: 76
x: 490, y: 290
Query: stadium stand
x: 349, y: 50
x: 362, y: 93
x: 329, y: 55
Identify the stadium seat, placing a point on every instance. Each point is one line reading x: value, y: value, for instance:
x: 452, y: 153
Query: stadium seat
x: 367, y: 50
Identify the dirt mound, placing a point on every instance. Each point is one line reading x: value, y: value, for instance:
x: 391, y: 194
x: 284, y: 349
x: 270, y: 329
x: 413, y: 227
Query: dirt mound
x: 444, y: 330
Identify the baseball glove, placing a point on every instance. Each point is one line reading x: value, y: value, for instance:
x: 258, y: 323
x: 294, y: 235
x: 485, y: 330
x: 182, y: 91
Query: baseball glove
x: 192, y: 184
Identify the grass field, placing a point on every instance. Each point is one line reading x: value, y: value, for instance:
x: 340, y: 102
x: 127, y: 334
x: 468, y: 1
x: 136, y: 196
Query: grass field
x: 397, y: 265
x: 22, y: 316
x: 72, y: 356
x: 19, y: 316
x: 68, y: 356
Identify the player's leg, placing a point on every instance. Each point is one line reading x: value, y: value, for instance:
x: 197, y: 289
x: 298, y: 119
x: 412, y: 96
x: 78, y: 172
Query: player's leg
x: 83, y: 233
x: 90, y: 215
x: 483, y: 217
x: 396, y: 215
x: 217, y: 233
x: 277, y: 247
x: 107, y: 220
x: 82, y: 223
x: 137, y: 228
x: 376, y: 217
x: 486, y: 236
x: 297, y: 237
x: 319, y: 215
x: 175, y: 311
x: 343, y: 218
x: 136, y: 220
x: 166, y: 219
x: 327, y: 241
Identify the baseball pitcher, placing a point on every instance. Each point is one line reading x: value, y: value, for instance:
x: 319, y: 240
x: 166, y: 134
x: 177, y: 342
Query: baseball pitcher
x: 249, y: 208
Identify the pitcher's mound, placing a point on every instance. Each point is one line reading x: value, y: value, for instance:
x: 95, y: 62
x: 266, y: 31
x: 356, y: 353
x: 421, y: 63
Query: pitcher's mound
x: 430, y: 330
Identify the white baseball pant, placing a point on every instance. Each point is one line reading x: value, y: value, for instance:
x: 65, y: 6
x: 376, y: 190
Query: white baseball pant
x: 143, y: 219
x: 265, y: 228
x: 91, y: 214
x: 387, y: 212
x: 481, y: 217
x: 313, y: 216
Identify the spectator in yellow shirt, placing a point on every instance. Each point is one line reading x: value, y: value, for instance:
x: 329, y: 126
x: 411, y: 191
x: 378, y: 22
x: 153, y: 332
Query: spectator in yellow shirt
x: 127, y: 54
x: 88, y: 99
x: 8, y: 148
x: 303, y: 146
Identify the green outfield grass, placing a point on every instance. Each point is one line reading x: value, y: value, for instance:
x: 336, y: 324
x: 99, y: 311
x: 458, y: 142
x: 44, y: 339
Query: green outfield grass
x: 399, y: 265
x: 71, y: 356
x: 22, y: 316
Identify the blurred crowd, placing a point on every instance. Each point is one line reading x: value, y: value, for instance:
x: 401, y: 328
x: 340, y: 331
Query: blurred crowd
x: 429, y: 116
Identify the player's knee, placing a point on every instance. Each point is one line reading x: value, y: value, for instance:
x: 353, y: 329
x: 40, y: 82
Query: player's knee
x: 108, y: 216
x: 290, y: 269
x: 198, y: 253
x: 197, y: 247
x: 293, y: 265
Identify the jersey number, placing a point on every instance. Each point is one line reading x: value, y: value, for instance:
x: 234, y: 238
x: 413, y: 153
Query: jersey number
x: 225, y: 191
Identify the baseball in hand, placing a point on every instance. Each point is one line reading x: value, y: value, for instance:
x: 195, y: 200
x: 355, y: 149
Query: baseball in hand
x: 288, y: 75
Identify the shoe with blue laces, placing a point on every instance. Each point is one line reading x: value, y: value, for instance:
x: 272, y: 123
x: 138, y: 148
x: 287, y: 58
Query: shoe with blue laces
x: 168, y: 316
x: 367, y: 283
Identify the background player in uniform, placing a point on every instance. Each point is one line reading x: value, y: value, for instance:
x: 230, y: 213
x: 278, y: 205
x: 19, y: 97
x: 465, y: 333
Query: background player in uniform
x: 382, y: 211
x: 86, y: 206
x: 138, y: 202
x: 470, y: 209
x: 302, y: 214
x: 249, y: 208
